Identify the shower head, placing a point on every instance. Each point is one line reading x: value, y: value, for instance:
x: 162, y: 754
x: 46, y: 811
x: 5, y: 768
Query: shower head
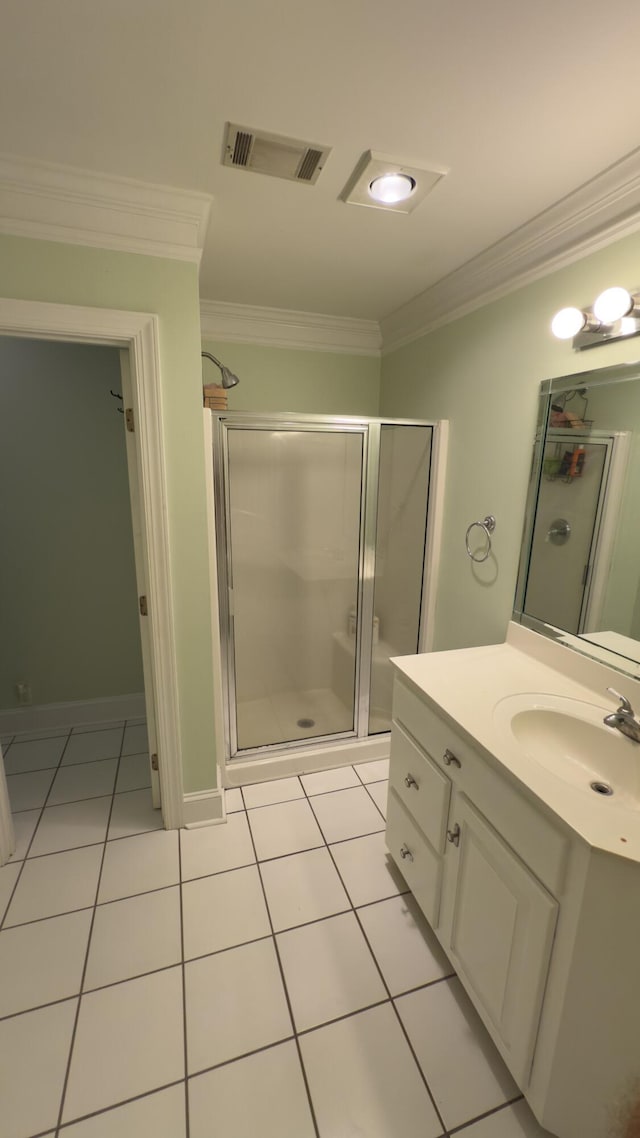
x: 228, y: 378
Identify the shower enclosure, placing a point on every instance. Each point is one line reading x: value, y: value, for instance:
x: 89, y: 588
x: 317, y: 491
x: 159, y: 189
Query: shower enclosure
x: 324, y: 528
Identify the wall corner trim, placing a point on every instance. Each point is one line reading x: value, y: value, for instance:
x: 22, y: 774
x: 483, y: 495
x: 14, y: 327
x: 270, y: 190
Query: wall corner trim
x: 288, y: 328
x: 603, y: 210
x: 51, y: 202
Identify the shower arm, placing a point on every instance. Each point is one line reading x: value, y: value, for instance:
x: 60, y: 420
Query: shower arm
x: 228, y: 378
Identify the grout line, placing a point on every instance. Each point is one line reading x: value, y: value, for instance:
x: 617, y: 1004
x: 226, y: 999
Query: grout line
x: 244, y: 1055
x: 286, y: 993
x: 184, y: 997
x: 86, y: 955
x: 115, y: 1105
x: 486, y: 1114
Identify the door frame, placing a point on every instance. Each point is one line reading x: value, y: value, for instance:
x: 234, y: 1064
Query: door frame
x: 138, y: 334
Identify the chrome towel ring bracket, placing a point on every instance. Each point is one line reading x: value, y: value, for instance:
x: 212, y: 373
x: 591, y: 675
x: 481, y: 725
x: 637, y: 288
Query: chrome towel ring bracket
x: 488, y: 524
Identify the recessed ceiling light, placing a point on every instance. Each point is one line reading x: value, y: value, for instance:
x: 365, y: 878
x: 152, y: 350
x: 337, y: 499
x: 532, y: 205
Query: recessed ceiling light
x: 381, y: 182
x: 391, y: 188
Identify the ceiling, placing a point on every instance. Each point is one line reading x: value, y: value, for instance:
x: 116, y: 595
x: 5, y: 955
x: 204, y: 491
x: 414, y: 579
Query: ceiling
x: 521, y: 103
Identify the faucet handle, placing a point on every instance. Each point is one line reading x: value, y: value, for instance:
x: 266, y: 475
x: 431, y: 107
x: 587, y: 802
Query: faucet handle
x: 624, y: 702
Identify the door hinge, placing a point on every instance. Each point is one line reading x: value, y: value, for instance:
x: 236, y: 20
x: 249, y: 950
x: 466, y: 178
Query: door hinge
x: 154, y: 762
x: 454, y: 835
x: 144, y: 611
x: 128, y: 418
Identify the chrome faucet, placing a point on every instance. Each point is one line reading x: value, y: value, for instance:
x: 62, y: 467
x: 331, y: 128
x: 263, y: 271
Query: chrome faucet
x: 623, y: 719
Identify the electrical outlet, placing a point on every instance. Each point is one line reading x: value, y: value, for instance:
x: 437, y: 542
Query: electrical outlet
x: 23, y: 693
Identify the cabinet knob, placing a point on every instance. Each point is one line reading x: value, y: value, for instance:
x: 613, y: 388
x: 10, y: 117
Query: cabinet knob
x: 448, y: 758
x: 454, y: 835
x: 410, y: 781
x: 406, y: 852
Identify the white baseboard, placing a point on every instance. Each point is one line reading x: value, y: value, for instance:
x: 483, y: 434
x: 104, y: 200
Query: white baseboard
x: 204, y: 808
x: 241, y: 772
x: 114, y: 707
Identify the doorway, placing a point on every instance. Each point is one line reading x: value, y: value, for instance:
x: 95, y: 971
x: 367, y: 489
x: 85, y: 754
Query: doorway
x: 136, y: 336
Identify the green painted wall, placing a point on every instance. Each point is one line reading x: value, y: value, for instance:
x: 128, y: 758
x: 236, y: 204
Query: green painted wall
x: 482, y: 373
x: 66, y: 274
x: 71, y: 628
x: 287, y: 379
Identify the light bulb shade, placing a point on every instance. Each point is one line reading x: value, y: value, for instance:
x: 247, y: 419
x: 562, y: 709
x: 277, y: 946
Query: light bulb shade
x: 392, y: 188
x: 567, y: 323
x: 612, y: 305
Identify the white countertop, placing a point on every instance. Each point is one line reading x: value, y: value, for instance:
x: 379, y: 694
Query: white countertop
x: 466, y: 684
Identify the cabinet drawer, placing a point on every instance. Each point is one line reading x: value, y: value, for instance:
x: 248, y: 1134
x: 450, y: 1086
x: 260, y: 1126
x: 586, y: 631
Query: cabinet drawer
x: 523, y: 823
x: 420, y: 785
x: 420, y: 866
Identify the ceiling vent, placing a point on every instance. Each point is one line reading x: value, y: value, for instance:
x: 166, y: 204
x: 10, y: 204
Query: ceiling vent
x: 274, y: 154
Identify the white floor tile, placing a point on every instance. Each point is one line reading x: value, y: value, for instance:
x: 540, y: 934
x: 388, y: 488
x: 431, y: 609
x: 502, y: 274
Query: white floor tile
x: 34, y: 1049
x: 235, y: 1004
x: 284, y: 829
x: 328, y: 970
x: 373, y: 772
x: 133, y: 813
x: 134, y: 773
x: 135, y: 740
x: 233, y: 800
x: 8, y: 877
x: 403, y: 944
x: 42, y: 962
x: 515, y: 1121
x: 263, y: 1095
x: 134, y: 936
x: 441, y: 1022
x: 129, y: 1040
x: 302, y: 887
x: 23, y: 827
x: 379, y: 791
x: 212, y: 849
x: 35, y: 755
x: 91, y: 746
x: 83, y: 780
x: 5, y: 740
x: 158, y: 1115
x: 223, y: 910
x: 363, y: 1079
x: 70, y: 826
x: 29, y: 791
x: 56, y: 884
x: 323, y: 781
x: 42, y: 733
x: 367, y: 870
x: 266, y: 793
x: 138, y: 864
x: 347, y: 814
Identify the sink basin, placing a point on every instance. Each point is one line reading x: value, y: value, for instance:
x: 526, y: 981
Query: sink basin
x: 569, y: 738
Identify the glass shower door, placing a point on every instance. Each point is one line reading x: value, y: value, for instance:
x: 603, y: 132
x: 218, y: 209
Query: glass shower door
x: 294, y: 525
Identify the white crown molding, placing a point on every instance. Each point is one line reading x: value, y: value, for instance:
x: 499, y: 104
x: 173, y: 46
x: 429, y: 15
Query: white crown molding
x: 286, y: 328
x: 600, y: 212
x: 78, y: 207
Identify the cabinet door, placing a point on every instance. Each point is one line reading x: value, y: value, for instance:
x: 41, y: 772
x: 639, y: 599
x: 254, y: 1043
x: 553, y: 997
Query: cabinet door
x: 502, y: 922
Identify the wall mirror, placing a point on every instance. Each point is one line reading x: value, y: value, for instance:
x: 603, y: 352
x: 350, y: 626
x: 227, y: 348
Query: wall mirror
x: 579, y: 574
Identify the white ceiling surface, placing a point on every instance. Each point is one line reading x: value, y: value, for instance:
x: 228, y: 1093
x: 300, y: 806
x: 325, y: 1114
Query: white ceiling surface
x: 522, y: 102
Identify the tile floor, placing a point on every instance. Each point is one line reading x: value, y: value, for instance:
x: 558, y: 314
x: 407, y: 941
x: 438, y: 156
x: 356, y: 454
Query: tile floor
x: 267, y: 978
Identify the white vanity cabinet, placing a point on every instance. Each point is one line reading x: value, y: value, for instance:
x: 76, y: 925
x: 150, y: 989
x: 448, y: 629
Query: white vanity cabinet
x: 536, y: 907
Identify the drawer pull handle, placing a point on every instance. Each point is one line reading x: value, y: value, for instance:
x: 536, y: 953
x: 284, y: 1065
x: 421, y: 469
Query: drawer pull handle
x: 406, y: 852
x: 448, y: 758
x: 410, y: 781
x: 454, y: 835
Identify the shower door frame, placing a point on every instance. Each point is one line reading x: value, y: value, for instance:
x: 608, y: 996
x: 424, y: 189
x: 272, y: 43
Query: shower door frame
x: 370, y: 430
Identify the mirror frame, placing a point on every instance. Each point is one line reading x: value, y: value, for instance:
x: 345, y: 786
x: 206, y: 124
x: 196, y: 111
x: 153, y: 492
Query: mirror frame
x: 620, y: 373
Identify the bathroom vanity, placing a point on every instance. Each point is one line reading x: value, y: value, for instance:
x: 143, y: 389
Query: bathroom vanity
x: 528, y: 874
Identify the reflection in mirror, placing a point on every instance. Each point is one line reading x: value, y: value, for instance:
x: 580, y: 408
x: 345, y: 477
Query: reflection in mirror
x: 580, y: 559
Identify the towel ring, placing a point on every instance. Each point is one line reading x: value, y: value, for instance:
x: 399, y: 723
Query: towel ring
x: 488, y: 525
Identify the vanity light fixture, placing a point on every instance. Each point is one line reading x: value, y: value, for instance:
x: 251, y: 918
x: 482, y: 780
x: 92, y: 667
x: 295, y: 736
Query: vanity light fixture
x: 381, y: 182
x: 615, y: 315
